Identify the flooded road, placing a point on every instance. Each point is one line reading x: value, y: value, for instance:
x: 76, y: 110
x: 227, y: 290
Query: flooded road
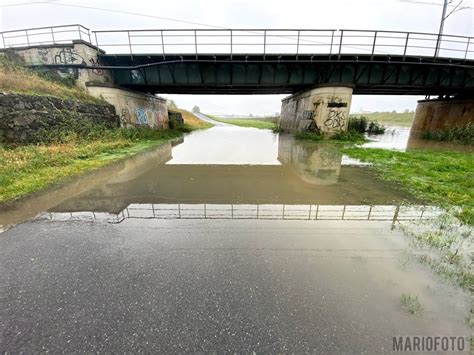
x: 222, y: 165
x: 233, y: 239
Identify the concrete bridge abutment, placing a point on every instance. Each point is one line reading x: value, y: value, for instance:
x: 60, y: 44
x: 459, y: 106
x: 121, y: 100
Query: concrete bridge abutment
x: 68, y: 60
x: 324, y: 109
x: 441, y: 114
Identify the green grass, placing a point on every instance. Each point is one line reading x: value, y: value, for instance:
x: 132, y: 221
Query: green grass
x: 445, y: 178
x: 390, y: 118
x: 464, y: 135
x: 411, y: 304
x: 29, y: 168
x: 349, y: 136
x: 243, y: 122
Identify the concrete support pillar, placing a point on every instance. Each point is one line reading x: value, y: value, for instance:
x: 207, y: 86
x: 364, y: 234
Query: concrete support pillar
x: 324, y: 109
x: 441, y: 114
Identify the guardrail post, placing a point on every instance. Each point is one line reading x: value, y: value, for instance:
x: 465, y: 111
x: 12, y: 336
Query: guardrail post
x: 96, y: 43
x: 27, y: 38
x: 406, y: 45
x: 297, y: 45
x: 438, y: 45
x: 467, y: 48
x: 89, y: 35
x: 264, y: 43
x: 130, y: 44
x: 195, y: 44
x: 79, y: 30
x: 3, y: 41
x: 373, y: 46
x: 332, y: 41
x: 163, y: 45
x: 52, y: 35
x: 340, y: 45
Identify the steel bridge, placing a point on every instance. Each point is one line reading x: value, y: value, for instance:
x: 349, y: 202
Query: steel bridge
x: 270, y: 61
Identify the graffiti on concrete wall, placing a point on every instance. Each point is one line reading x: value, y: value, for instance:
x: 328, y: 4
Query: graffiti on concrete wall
x: 68, y: 56
x: 144, y: 117
x: 96, y: 71
x: 125, y: 117
x: 149, y: 117
x: 336, y: 119
x: 43, y: 54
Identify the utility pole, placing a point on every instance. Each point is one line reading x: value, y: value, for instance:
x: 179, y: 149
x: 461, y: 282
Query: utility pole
x: 444, y: 16
x: 441, y: 26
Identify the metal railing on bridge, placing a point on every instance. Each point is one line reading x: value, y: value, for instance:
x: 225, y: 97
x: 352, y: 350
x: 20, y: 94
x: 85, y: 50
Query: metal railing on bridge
x: 249, y: 41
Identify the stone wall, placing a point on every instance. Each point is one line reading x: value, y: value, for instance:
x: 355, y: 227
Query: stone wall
x: 435, y: 115
x: 31, y: 118
x: 134, y: 108
x: 324, y: 109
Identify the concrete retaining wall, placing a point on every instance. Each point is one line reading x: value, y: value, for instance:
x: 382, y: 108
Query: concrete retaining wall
x: 32, y: 118
x: 435, y: 115
x: 76, y: 53
x: 135, y: 109
x: 324, y: 109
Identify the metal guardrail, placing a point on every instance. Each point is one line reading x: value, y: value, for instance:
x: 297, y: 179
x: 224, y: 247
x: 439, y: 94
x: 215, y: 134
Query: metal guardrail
x: 250, y: 41
x: 45, y: 35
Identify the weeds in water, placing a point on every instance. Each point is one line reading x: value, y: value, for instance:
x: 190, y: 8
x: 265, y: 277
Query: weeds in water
x: 411, y: 304
x: 349, y: 136
x: 463, y: 135
x: 446, y: 245
x: 362, y: 125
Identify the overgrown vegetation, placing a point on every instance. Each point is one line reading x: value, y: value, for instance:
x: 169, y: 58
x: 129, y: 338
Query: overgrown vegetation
x: 463, y: 135
x: 244, y: 122
x: 16, y: 78
x: 349, y: 136
x: 411, y: 304
x: 363, y: 125
x: 390, y: 118
x: 446, y: 178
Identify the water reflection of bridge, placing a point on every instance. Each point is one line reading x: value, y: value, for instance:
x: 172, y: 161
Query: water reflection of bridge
x: 247, y: 211
x: 308, y: 174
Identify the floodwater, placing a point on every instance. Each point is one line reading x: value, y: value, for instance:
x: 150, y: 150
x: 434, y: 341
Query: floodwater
x: 231, y: 239
x: 225, y: 166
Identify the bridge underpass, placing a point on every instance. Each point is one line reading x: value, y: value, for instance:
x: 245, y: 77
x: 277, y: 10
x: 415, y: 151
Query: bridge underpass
x: 320, y: 68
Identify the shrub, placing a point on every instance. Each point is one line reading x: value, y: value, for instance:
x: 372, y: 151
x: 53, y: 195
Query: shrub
x: 363, y: 125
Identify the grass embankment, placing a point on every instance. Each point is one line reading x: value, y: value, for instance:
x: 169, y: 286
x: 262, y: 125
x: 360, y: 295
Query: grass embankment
x: 244, y: 122
x: 446, y: 178
x: 29, y: 168
x: 18, y: 79
x: 390, y: 118
x: 190, y: 120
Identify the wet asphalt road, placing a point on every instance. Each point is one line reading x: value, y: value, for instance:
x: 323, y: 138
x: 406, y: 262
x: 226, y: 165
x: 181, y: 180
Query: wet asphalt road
x: 214, y: 285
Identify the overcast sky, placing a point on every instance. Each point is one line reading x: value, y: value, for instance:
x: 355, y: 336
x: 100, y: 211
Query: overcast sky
x: 400, y: 15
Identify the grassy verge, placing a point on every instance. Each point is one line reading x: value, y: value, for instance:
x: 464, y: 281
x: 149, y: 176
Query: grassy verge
x: 26, y: 169
x: 390, y: 118
x: 243, y: 122
x: 446, y: 178
x: 350, y: 136
x: 190, y: 120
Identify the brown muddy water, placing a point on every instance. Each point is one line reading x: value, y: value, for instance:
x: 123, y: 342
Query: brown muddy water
x: 225, y: 168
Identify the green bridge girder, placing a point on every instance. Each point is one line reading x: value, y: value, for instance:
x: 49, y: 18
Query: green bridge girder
x: 273, y: 74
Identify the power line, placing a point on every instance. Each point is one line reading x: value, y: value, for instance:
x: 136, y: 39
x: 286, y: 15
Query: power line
x: 112, y: 10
